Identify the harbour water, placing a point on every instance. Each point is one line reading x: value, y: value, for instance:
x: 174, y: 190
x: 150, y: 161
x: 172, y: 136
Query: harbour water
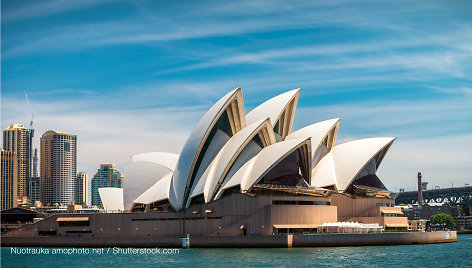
x: 433, y: 255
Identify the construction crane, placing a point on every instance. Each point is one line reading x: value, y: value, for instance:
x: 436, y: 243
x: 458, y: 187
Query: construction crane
x: 32, y: 114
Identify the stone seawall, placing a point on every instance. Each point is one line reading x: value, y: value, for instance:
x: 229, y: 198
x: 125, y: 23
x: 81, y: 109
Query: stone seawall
x: 374, y: 239
x: 281, y: 241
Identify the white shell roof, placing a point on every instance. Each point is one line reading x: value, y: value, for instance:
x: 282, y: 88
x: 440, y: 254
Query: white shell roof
x: 256, y: 168
x: 272, y: 108
x: 228, y: 154
x: 317, y: 132
x: 240, y: 161
x: 199, y: 187
x: 341, y: 165
x: 140, y: 176
x: 159, y: 191
x: 112, y: 198
x: 167, y: 160
x: 191, y: 148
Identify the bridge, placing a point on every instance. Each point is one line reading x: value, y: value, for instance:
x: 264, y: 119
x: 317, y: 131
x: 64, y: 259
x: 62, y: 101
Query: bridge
x: 454, y: 196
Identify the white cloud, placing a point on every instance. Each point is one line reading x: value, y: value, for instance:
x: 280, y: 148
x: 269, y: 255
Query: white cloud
x: 38, y: 9
x: 155, y: 24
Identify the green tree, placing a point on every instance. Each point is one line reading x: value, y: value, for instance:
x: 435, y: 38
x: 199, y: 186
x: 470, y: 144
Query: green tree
x: 443, y: 220
x: 465, y: 207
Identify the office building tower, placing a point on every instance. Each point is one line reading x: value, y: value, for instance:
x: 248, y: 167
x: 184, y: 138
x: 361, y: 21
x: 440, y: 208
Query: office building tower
x: 82, y: 189
x: 106, y: 176
x: 35, y: 163
x: 58, y: 166
x: 34, y: 189
x: 18, y: 139
x: 9, y: 180
x: 33, y: 185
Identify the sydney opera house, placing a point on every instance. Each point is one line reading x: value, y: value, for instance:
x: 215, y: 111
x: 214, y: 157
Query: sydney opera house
x: 250, y: 173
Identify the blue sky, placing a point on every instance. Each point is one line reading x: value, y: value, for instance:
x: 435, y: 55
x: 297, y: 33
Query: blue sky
x: 135, y: 76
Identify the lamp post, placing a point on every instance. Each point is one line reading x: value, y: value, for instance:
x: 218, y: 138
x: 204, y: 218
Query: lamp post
x: 101, y: 231
x: 155, y: 231
x: 219, y: 230
x: 262, y: 229
x: 119, y: 229
x: 137, y: 231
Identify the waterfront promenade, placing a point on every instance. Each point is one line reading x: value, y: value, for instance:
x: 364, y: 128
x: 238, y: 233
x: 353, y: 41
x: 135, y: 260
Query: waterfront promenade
x: 280, y: 241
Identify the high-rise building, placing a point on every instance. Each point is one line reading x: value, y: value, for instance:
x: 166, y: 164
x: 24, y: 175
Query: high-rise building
x: 9, y: 180
x: 33, y: 185
x: 34, y: 189
x: 106, y: 176
x: 35, y: 163
x: 18, y: 139
x: 58, y: 167
x: 82, y: 189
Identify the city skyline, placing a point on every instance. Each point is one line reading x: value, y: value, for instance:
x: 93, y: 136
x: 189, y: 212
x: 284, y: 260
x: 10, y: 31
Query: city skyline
x: 406, y: 75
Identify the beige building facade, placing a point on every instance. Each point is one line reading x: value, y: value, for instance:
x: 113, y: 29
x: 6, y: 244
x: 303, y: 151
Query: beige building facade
x: 236, y: 214
x: 82, y: 189
x: 9, y: 180
x: 18, y: 139
x: 58, y: 167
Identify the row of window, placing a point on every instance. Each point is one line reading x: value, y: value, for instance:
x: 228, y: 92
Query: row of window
x: 389, y: 215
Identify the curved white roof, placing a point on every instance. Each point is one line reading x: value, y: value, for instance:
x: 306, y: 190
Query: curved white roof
x: 225, y: 158
x: 167, y: 160
x: 140, y: 176
x: 256, y: 168
x: 159, y: 191
x: 274, y: 108
x: 192, y: 148
x: 341, y: 165
x: 317, y: 133
x: 222, y: 152
x: 112, y: 198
